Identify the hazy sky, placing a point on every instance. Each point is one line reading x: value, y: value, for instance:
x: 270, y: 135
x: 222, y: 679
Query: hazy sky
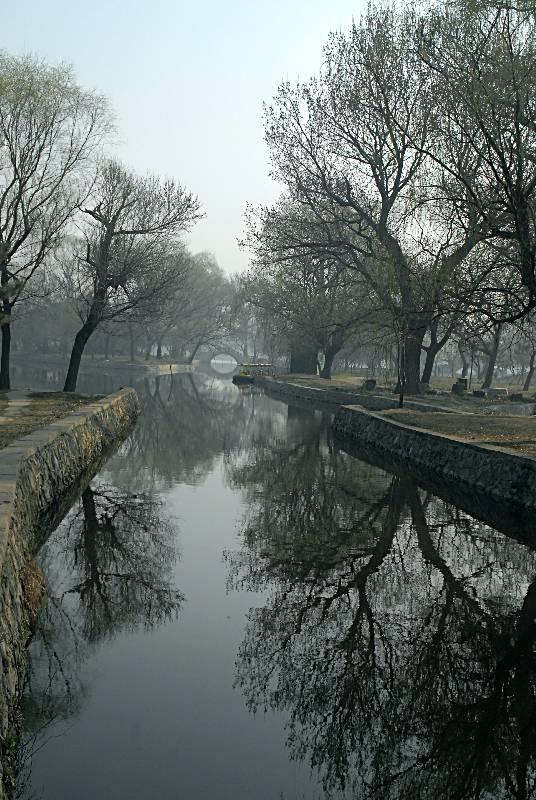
x: 187, y: 81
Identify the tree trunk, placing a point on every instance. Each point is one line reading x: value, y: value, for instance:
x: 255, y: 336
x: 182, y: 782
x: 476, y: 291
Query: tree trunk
x: 159, y: 348
x: 530, y: 373
x: 431, y: 353
x: 90, y: 510
x: 80, y: 341
x: 465, y: 363
x: 131, y: 344
x: 4, y: 361
x: 490, y: 370
x: 193, y: 353
x: 412, y: 360
x: 6, y: 309
x: 492, y: 359
x: 303, y: 360
x: 329, y: 357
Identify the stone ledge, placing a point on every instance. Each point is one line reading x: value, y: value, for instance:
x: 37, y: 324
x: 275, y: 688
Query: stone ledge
x: 37, y: 473
x: 503, y: 474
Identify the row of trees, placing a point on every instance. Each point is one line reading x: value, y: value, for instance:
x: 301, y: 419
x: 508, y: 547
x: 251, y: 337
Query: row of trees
x: 192, y: 314
x: 409, y: 171
x: 84, y: 238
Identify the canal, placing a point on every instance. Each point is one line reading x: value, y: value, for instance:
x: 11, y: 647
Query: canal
x: 238, y: 609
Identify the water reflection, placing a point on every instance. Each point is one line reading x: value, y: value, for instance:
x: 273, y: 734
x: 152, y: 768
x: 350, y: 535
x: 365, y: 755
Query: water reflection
x: 186, y: 423
x: 391, y: 632
x: 398, y: 635
x: 98, y: 380
x: 108, y: 569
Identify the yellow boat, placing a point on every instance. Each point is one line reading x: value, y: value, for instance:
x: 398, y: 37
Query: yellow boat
x: 248, y: 372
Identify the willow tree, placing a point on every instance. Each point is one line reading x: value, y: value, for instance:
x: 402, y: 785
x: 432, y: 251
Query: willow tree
x: 126, y: 260
x: 50, y: 130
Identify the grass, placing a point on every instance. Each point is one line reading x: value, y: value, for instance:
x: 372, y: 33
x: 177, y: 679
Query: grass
x: 444, y: 396
x: 42, y: 409
x: 517, y: 433
x: 442, y: 383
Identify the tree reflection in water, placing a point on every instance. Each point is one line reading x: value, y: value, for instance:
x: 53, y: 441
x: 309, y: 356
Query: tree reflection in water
x: 186, y: 423
x: 108, y: 568
x: 398, y: 633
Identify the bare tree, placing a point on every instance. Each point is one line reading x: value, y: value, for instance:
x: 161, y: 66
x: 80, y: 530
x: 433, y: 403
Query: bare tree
x: 127, y: 262
x: 318, y: 301
x: 50, y: 130
x: 482, y: 57
x: 351, y: 145
x: 202, y: 320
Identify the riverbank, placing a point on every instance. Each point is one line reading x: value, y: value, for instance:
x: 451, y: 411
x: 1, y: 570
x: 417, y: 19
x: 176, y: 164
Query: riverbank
x: 37, y: 472
x: 504, y: 474
x: 22, y: 412
x: 481, y: 450
x: 334, y: 396
x: 513, y: 432
x: 351, y: 386
x: 506, y: 424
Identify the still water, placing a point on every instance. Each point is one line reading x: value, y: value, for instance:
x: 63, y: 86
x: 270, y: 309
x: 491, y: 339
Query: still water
x: 239, y: 609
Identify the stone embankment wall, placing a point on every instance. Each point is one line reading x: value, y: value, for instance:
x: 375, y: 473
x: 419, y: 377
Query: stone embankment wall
x: 502, y: 474
x: 338, y: 397
x: 36, y: 473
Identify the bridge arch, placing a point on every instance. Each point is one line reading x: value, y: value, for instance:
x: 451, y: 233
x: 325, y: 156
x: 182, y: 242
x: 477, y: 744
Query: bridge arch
x: 225, y: 362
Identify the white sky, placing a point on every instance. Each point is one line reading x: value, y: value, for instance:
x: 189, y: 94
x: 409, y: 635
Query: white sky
x: 187, y: 81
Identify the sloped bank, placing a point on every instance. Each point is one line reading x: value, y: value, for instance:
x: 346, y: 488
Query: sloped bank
x: 37, y: 473
x: 501, y: 474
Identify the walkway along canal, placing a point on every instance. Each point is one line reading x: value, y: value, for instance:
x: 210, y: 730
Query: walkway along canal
x: 238, y: 608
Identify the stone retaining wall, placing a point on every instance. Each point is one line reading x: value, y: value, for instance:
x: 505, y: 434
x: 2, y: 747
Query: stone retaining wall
x: 502, y: 474
x: 335, y: 397
x: 36, y: 473
x: 516, y: 523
